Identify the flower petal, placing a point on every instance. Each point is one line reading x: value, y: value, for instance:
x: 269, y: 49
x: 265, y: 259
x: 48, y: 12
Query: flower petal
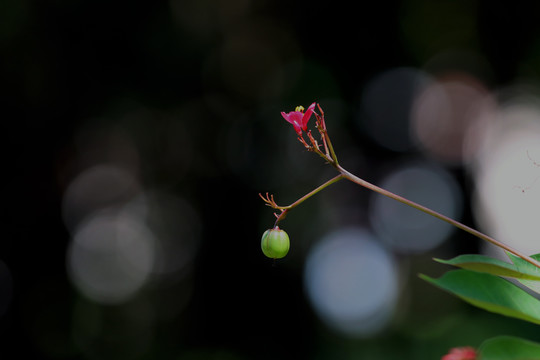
x: 295, y: 118
x: 298, y: 129
x: 307, y: 115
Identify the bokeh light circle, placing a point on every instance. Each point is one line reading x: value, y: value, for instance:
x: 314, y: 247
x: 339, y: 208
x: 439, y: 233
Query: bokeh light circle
x: 445, y: 112
x: 351, y: 282
x: 409, y: 230
x: 110, y: 257
x: 507, y: 173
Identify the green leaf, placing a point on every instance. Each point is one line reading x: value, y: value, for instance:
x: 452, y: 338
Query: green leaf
x: 489, y: 265
x: 524, y: 266
x: 490, y: 293
x: 509, y: 348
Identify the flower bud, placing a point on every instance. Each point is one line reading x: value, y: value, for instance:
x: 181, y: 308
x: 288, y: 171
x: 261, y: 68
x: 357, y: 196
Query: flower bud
x: 462, y: 353
x: 275, y: 243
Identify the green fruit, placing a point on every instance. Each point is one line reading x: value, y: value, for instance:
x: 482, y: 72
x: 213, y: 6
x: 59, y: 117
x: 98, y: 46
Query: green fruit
x: 275, y: 243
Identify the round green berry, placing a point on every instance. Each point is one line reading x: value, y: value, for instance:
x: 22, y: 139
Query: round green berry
x: 275, y: 243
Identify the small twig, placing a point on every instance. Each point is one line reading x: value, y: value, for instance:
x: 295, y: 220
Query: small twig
x: 269, y: 199
x: 324, y: 134
x: 306, y: 145
x: 322, y: 129
x: 314, y: 142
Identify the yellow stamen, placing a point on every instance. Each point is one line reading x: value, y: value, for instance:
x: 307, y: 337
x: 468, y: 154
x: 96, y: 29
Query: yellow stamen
x: 299, y: 108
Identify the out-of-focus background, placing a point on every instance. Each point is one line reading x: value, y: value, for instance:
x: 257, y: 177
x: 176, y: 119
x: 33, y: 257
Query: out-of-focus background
x: 137, y: 136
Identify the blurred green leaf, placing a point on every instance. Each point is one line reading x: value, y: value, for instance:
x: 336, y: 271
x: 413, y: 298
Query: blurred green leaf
x: 490, y: 293
x: 524, y: 266
x: 486, y: 264
x: 509, y: 348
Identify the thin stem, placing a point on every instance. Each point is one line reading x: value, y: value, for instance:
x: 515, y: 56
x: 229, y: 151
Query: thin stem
x: 332, y: 153
x: 347, y: 175
x: 285, y: 209
x: 321, y: 126
x: 323, y: 138
x: 315, y: 147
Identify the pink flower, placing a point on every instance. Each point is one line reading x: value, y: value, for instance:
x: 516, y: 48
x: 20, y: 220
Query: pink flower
x: 298, y: 118
x: 463, y: 353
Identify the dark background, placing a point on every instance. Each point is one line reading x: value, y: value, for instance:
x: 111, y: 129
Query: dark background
x: 208, y: 68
